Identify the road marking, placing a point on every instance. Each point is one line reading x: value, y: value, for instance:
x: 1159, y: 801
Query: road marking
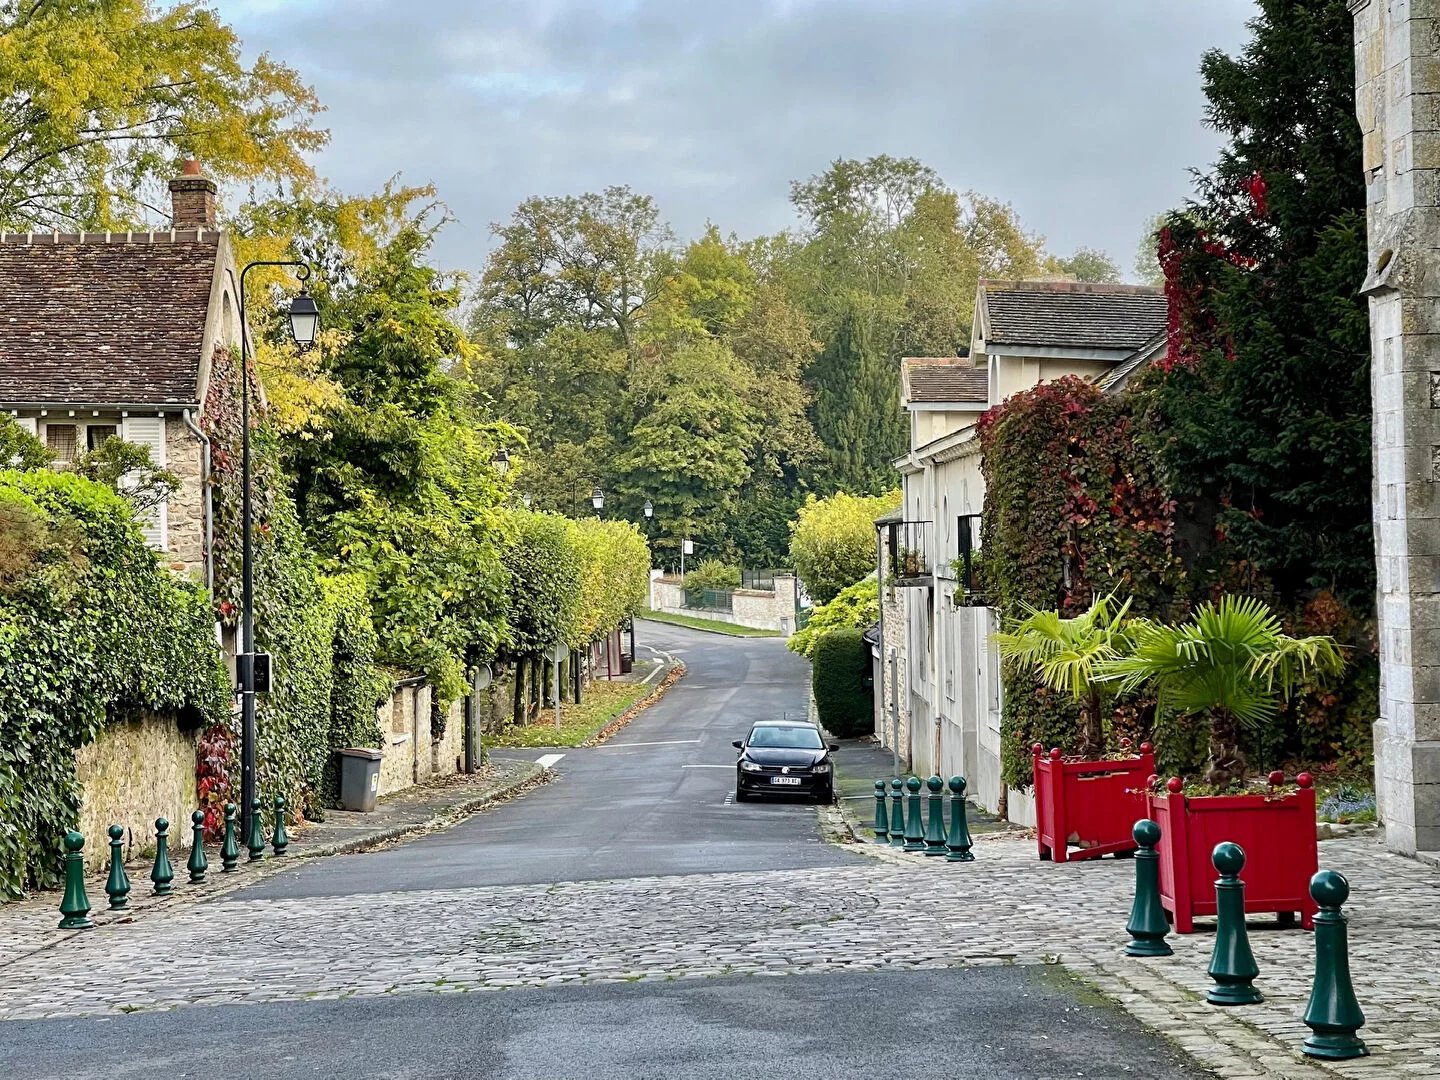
x: 548, y: 761
x: 628, y: 745
x: 658, y: 668
x: 707, y: 766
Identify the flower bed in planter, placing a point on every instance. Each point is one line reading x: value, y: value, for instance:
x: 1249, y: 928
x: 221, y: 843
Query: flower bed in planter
x: 1276, y: 832
x: 1090, y: 806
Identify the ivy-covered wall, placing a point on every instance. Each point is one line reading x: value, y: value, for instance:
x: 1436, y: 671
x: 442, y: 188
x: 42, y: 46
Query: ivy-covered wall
x: 92, y: 631
x: 1077, y: 506
x: 1073, y: 509
x: 325, y: 687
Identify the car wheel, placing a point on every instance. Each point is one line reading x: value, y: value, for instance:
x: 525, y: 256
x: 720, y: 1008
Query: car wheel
x: 826, y: 795
x: 741, y: 794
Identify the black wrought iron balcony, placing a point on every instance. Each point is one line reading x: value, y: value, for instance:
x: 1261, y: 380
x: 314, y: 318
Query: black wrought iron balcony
x: 908, y: 545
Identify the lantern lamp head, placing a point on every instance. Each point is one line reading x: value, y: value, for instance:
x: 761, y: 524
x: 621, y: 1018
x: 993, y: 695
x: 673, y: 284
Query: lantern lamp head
x: 304, y: 319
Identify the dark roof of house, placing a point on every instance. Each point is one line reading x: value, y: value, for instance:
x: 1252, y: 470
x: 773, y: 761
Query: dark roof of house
x: 1116, y: 379
x: 945, y: 379
x: 1081, y: 315
x: 104, y: 318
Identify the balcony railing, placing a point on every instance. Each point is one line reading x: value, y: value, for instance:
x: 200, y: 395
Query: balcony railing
x: 909, y: 547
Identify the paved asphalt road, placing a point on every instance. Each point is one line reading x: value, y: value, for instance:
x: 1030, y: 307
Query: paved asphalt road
x: 656, y: 799
x: 994, y: 1023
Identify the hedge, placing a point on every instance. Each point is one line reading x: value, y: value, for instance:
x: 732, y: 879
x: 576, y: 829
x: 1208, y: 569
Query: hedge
x: 840, y: 677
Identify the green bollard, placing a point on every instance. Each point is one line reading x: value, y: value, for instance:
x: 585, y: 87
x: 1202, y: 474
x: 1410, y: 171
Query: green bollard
x: 882, y: 819
x: 958, y: 842
x: 914, y: 824
x: 256, y: 840
x: 161, y: 873
x: 75, y: 905
x: 1333, y: 1014
x: 1147, y: 926
x: 1232, y: 964
x: 117, y: 885
x: 897, y: 812
x: 280, y: 841
x: 230, y: 850
x: 935, y: 819
x: 198, y: 863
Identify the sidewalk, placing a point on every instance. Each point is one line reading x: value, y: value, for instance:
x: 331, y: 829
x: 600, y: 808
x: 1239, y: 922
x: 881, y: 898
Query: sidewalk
x: 860, y: 762
x: 30, y: 925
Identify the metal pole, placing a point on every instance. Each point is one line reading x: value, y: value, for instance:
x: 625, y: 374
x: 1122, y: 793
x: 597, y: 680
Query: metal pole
x: 555, y: 666
x: 245, y: 663
x: 880, y: 596
x: 894, y: 713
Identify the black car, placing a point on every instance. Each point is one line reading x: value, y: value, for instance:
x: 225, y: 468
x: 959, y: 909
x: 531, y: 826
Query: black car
x: 784, y: 757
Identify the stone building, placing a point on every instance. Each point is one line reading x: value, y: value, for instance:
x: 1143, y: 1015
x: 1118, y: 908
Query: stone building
x: 111, y: 334
x: 1397, y: 73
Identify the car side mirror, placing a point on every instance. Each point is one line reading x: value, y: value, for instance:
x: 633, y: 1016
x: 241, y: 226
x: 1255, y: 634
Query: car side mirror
x: 738, y: 744
x: 834, y: 746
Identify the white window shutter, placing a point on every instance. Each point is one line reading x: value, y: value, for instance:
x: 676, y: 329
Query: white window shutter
x: 149, y: 431
x: 27, y: 424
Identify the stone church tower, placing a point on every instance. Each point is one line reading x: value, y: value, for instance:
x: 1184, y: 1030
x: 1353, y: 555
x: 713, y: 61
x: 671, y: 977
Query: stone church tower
x: 1397, y: 54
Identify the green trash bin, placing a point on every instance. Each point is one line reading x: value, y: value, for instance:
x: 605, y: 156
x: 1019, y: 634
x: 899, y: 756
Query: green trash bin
x: 359, y: 778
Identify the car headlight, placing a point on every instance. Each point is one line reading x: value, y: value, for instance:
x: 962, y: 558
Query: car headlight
x: 750, y: 766
x: 823, y: 767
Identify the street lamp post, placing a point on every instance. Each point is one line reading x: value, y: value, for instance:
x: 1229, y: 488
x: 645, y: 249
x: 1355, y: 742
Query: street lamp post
x: 304, y: 321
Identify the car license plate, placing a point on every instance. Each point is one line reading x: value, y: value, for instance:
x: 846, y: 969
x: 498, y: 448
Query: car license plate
x: 784, y: 780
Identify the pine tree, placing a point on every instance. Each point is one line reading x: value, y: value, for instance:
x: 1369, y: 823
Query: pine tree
x: 1261, y: 408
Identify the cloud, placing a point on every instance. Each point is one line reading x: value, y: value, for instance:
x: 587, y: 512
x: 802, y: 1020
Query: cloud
x: 1085, y: 114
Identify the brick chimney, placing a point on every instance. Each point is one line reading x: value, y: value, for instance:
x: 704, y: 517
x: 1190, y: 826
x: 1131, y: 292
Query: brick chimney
x: 192, y: 198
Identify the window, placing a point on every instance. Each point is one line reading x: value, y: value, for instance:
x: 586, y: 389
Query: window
x: 61, y: 439
x: 96, y: 434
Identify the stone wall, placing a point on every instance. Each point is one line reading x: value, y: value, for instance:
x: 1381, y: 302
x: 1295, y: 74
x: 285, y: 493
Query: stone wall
x: 1397, y: 61
x: 133, y: 773
x: 410, y: 755
x: 185, y: 509
x: 757, y: 609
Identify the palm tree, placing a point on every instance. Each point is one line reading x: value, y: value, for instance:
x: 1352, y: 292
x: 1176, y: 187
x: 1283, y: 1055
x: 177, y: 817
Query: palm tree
x: 1232, y: 660
x: 1069, y: 654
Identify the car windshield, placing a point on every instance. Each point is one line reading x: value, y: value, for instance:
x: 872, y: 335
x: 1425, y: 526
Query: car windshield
x: 793, y: 738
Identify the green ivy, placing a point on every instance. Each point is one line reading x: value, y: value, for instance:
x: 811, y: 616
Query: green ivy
x: 320, y: 688
x: 92, y: 629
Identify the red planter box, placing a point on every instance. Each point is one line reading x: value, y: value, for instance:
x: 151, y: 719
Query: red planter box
x: 1098, y: 802
x: 1276, y: 832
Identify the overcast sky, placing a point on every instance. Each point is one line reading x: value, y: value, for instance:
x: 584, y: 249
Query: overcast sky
x: 1085, y: 114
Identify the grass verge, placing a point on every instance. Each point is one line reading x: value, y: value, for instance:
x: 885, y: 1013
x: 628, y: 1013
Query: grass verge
x: 604, y: 701
x: 712, y: 625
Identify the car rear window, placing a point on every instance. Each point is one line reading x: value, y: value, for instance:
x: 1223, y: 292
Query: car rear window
x: 796, y: 738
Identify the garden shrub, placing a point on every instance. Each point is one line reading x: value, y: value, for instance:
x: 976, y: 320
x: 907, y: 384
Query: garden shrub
x: 855, y: 607
x: 712, y: 574
x: 832, y: 543
x: 840, y: 678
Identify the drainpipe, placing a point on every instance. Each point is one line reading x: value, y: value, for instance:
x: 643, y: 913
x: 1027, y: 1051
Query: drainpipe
x: 205, y: 487
x: 880, y: 593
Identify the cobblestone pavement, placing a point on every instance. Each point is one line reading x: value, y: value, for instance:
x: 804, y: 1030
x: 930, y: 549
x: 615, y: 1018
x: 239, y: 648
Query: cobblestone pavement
x: 894, y: 912
x: 28, y: 926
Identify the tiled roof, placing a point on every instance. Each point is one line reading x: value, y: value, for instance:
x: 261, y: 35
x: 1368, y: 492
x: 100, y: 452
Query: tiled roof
x: 1117, y: 377
x: 104, y: 318
x: 943, y: 380
x: 1060, y: 314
